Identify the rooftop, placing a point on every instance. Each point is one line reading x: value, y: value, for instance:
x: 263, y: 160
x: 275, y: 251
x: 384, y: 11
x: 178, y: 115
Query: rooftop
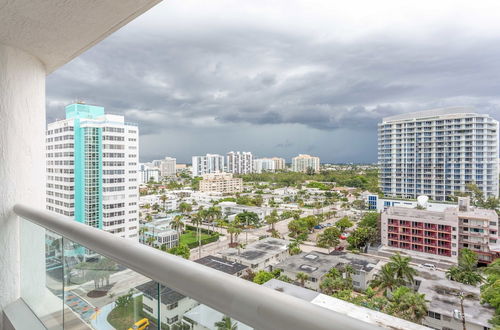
x: 258, y: 251
x: 442, y: 295
x: 222, y: 265
x: 427, y: 114
x: 317, y: 264
x: 168, y: 296
x: 339, y: 306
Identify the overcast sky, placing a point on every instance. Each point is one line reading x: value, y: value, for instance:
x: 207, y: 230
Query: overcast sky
x: 282, y: 77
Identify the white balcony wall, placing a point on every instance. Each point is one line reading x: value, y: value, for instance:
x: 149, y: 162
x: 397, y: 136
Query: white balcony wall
x: 22, y: 162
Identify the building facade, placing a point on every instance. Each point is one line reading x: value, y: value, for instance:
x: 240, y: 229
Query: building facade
x: 437, y: 153
x: 148, y: 173
x: 168, y: 167
x: 442, y: 234
x: 302, y: 163
x: 263, y: 165
x: 210, y: 163
x: 239, y: 162
x: 221, y: 182
x: 92, y: 162
x: 279, y: 163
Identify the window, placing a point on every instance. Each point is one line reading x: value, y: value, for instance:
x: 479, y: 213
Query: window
x: 172, y: 319
x: 434, y: 315
x: 172, y: 306
x: 147, y: 308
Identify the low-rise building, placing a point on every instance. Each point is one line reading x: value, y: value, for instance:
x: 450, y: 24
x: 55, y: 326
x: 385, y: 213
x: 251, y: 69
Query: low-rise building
x: 377, y: 319
x: 259, y: 255
x: 221, y: 182
x: 203, y: 317
x: 444, y: 307
x: 317, y: 265
x: 374, y: 202
x: 173, y: 305
x: 442, y: 234
x: 159, y: 232
x: 228, y: 267
x: 231, y: 209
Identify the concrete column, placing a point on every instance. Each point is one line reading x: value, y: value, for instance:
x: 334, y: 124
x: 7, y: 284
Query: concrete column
x: 22, y: 160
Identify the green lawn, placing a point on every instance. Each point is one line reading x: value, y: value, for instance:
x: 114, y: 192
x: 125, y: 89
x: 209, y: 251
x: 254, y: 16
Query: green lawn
x: 190, y: 237
x: 123, y: 318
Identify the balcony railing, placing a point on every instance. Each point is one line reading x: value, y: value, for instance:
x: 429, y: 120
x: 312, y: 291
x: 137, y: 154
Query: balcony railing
x: 96, y: 280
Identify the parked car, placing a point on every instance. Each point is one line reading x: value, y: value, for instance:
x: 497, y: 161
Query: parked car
x: 329, y: 224
x: 428, y: 266
x: 318, y: 227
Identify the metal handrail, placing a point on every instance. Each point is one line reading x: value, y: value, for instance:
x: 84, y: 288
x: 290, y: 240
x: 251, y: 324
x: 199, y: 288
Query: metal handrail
x: 257, y: 306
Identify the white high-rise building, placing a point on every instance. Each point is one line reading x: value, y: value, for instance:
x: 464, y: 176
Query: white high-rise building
x: 437, y: 153
x: 239, y: 162
x: 302, y: 163
x: 264, y: 165
x: 148, y: 173
x: 167, y: 167
x: 92, y: 163
x: 210, y: 163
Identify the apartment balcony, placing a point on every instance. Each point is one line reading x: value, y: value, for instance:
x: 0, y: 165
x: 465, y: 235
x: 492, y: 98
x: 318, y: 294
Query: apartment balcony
x: 56, y: 273
x: 73, y: 277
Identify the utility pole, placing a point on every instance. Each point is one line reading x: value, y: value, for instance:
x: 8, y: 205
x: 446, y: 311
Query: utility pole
x: 462, y: 296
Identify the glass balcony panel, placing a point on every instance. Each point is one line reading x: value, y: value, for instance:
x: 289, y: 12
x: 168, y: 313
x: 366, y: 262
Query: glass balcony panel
x: 41, y: 273
x: 102, y: 293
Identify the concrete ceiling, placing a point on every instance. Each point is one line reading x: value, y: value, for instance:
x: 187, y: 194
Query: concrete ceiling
x: 56, y: 31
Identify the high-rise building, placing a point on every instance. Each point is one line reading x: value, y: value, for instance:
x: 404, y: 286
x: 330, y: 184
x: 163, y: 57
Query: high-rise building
x: 239, y: 162
x: 92, y: 169
x: 303, y: 163
x: 279, y: 163
x: 442, y: 233
x: 168, y: 167
x: 437, y: 153
x: 268, y: 164
x: 148, y: 173
x: 263, y: 165
x: 210, y: 163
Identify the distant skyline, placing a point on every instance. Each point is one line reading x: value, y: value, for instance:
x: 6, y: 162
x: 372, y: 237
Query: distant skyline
x: 284, y: 77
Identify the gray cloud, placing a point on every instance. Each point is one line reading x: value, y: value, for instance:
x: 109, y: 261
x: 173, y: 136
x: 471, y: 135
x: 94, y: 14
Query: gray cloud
x: 176, y: 69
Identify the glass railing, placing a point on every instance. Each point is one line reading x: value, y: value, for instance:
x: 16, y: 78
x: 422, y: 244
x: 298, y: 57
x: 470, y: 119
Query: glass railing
x: 69, y: 286
x: 78, y: 277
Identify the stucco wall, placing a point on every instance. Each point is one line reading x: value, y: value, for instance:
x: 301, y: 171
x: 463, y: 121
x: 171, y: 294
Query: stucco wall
x: 22, y: 164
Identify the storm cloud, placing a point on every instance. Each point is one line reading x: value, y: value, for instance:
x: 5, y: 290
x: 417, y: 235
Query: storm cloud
x: 282, y: 77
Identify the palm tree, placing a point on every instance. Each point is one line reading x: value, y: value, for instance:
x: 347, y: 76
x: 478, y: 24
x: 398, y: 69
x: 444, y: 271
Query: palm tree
x: 178, y: 225
x: 198, y: 220
x: 302, y: 277
x: 385, y: 279
x: 408, y: 305
x: 163, y: 198
x: 402, y: 269
x: 226, y: 324
x: 142, y: 230
x: 150, y: 240
x: 233, y: 231
x: 272, y: 219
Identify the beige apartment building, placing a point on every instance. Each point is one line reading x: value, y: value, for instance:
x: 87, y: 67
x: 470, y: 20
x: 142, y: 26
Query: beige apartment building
x: 279, y: 163
x: 221, y: 182
x: 442, y: 234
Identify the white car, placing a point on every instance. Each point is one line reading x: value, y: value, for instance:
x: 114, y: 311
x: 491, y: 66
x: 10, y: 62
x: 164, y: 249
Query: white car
x: 427, y: 266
